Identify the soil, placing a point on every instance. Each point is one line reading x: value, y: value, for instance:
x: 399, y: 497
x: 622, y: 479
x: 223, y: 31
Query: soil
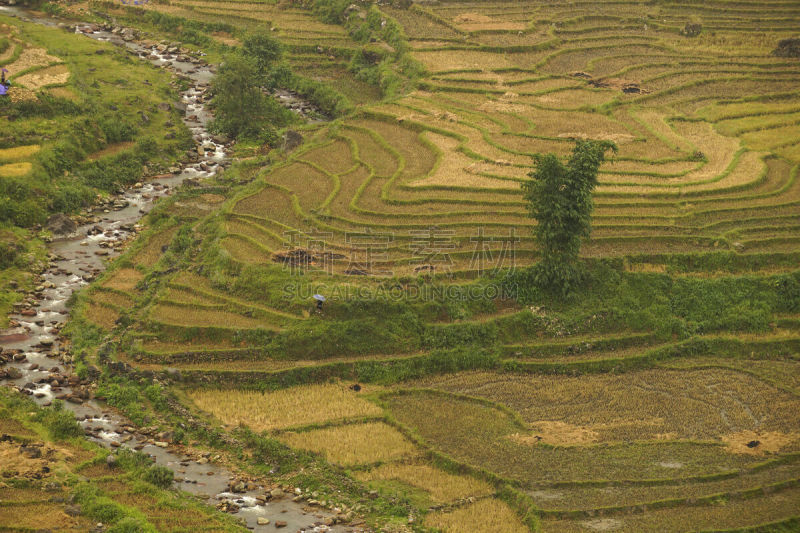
x: 603, y: 524
x: 760, y: 443
x: 26, y: 465
x: 626, y: 86
x: 477, y: 22
x: 471, y: 17
x: 57, y: 75
x: 21, y: 94
x: 502, y: 107
x: 557, y: 434
x: 225, y: 38
x: 31, y: 57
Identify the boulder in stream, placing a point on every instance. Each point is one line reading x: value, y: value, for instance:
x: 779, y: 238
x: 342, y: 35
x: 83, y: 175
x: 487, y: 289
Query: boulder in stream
x: 61, y: 224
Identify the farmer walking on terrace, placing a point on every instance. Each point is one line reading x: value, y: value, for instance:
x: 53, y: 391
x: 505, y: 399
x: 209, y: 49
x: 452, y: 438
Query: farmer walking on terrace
x: 4, y: 84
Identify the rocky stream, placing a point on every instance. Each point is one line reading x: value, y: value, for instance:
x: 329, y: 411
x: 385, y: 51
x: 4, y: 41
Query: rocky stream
x: 34, y: 361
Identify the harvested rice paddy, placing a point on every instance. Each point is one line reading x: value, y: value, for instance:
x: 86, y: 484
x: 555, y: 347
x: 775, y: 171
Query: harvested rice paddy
x: 285, y: 408
x: 663, y: 397
x: 442, y: 487
x: 35, y: 495
x: 57, y: 75
x: 19, y: 152
x: 354, y: 444
x: 646, y: 405
x: 15, y: 170
x: 484, y: 516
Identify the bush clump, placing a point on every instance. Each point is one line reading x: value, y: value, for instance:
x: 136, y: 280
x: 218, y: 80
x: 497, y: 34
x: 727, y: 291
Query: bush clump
x: 160, y: 476
x: 788, y: 48
x: 60, y: 423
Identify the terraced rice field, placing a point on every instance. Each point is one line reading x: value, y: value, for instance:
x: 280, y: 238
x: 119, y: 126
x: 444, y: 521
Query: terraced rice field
x: 571, y: 418
x: 29, y: 69
x: 705, y: 129
x: 26, y: 65
x: 39, y: 489
x: 316, y: 49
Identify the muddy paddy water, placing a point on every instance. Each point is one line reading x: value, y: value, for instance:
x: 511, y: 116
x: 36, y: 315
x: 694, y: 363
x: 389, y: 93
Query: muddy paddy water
x: 39, y: 366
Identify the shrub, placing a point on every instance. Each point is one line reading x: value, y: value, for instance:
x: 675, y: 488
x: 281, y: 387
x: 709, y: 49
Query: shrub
x: 63, y: 156
x: 788, y: 48
x: 131, y: 525
x: 45, y: 106
x: 109, y: 173
x: 329, y: 101
x: 787, y: 287
x: 146, y: 148
x: 27, y: 213
x: 96, y: 506
x: 125, y: 397
x: 104, y: 509
x: 692, y: 29
x: 160, y: 476
x: 186, y: 30
x: 9, y: 253
x: 156, y: 396
x: 331, y: 11
x: 60, y: 423
x: 53, y: 9
x: 116, y: 130
x: 457, y: 335
x: 132, y: 460
x: 69, y: 196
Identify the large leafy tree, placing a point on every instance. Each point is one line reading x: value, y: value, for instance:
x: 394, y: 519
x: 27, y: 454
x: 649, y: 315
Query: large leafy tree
x: 559, y: 197
x: 266, y: 52
x: 241, y: 108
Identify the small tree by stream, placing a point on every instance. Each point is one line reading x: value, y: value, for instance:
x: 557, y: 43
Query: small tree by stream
x: 559, y: 198
x: 241, y: 108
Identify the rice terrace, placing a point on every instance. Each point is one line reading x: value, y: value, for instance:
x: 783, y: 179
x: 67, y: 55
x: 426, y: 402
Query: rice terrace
x: 400, y: 266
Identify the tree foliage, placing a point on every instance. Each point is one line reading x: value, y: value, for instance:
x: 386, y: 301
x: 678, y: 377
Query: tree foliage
x: 241, y: 108
x: 265, y: 51
x: 559, y: 197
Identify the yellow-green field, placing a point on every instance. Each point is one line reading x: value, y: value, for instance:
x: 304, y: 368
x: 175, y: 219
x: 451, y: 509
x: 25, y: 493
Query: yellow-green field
x: 702, y: 139
x: 285, y: 408
x: 30, y: 68
x: 69, y: 485
x: 666, y: 399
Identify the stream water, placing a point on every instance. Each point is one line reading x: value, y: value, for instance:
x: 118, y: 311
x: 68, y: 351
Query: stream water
x: 42, y: 365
